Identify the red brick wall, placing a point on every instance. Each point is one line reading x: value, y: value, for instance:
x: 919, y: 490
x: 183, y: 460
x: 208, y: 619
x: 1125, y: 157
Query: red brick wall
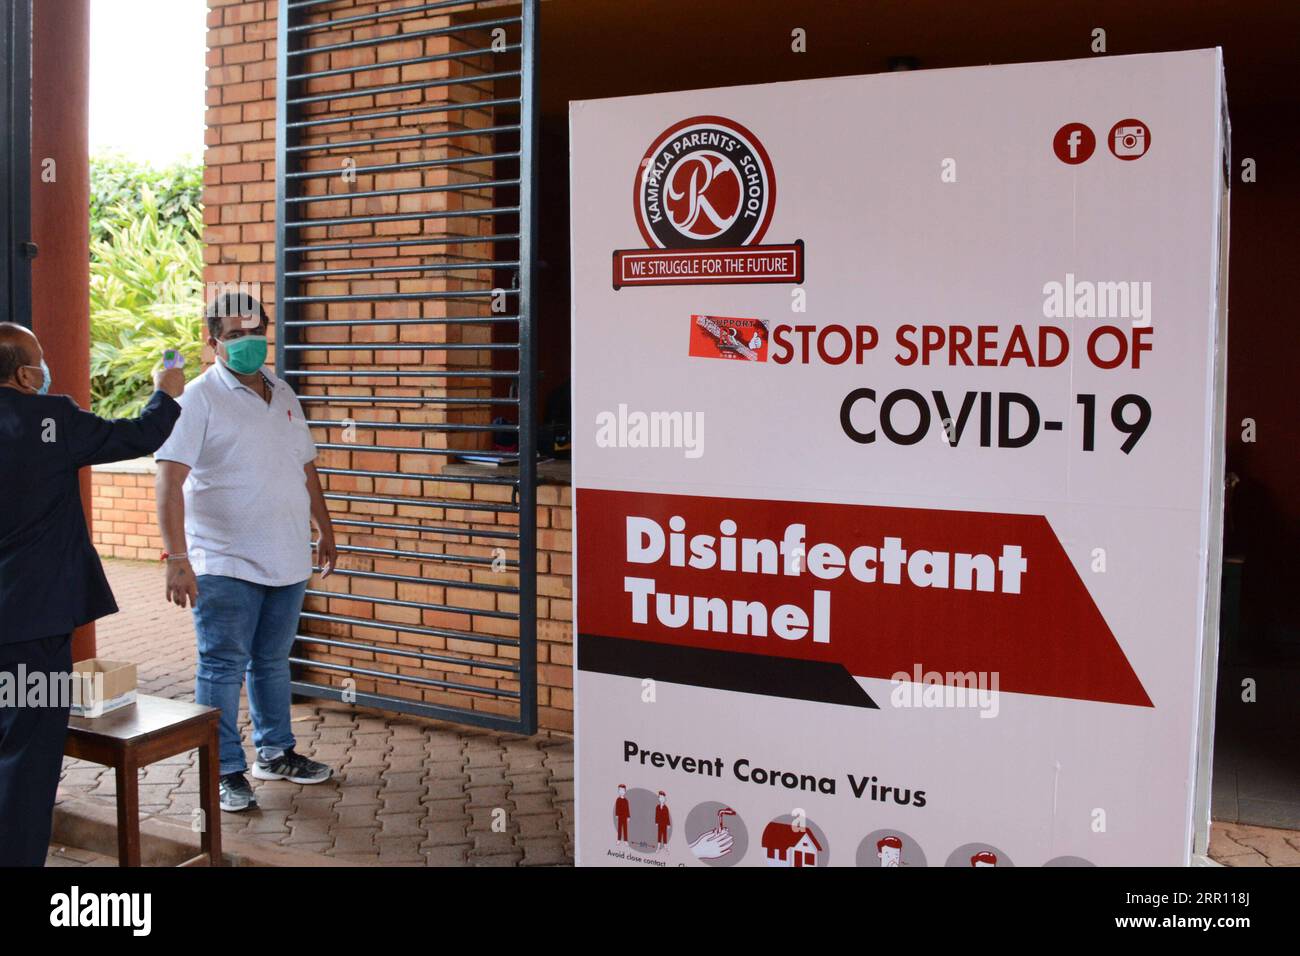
x: 240, y: 214
x: 125, y: 520
x: 126, y: 526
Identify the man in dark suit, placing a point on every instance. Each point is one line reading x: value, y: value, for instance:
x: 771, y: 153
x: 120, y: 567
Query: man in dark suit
x: 51, y: 580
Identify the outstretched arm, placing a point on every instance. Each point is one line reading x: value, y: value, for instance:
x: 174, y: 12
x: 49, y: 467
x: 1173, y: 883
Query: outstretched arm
x: 93, y: 440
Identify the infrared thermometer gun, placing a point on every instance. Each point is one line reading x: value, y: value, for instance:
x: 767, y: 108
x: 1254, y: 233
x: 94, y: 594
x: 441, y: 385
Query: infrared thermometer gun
x: 172, y: 358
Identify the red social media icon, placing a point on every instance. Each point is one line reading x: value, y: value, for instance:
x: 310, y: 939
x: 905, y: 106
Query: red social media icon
x: 1130, y: 139
x: 1073, y: 143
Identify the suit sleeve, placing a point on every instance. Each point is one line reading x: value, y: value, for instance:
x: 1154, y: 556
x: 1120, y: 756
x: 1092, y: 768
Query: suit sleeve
x: 94, y: 441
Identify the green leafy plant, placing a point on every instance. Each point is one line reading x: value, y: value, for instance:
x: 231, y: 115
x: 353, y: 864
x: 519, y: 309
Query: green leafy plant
x: 117, y: 185
x: 146, y: 295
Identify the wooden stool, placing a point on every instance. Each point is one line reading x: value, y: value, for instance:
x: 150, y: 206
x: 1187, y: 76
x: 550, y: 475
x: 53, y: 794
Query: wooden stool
x: 140, y: 734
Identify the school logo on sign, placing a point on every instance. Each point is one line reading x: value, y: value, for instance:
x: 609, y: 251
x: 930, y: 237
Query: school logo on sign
x: 705, y: 182
x: 703, y: 197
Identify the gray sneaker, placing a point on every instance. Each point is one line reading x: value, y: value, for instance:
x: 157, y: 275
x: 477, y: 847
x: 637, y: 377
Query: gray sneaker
x: 236, y: 795
x: 291, y: 766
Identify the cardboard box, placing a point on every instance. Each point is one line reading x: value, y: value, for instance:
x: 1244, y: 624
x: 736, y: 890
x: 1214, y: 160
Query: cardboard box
x: 102, y: 686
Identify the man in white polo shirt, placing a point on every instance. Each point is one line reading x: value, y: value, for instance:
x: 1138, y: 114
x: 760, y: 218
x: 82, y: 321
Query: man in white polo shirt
x: 237, y: 495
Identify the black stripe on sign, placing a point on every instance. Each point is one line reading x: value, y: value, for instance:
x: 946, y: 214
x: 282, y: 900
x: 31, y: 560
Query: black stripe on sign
x: 762, y: 674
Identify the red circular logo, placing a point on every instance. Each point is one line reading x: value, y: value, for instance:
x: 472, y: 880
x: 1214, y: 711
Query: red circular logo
x: 1073, y: 143
x: 702, y: 195
x: 1130, y: 139
x: 706, y: 181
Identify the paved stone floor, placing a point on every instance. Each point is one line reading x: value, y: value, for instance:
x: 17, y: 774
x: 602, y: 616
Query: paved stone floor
x: 60, y: 855
x: 405, y: 791
x: 1240, y: 844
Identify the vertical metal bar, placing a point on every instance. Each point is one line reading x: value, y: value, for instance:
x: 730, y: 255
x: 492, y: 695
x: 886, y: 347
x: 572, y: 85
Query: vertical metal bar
x: 285, y: 136
x: 16, y: 160
x: 291, y: 250
x: 528, y: 371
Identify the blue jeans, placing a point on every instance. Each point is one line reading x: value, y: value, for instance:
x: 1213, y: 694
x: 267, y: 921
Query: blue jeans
x: 245, y: 628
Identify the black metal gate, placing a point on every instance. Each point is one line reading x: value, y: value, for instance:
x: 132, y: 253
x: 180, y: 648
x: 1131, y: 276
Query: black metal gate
x: 405, y: 216
x: 15, y: 161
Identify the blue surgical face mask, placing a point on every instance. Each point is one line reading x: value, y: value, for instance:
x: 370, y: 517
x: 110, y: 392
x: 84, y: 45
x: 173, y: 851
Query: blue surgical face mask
x: 45, y: 383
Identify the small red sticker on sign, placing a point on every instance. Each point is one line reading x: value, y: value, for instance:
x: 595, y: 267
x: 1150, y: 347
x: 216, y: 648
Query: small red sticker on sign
x: 724, y: 337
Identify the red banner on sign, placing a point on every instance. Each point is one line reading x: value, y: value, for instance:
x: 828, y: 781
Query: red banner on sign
x: 696, y: 266
x: 878, y: 590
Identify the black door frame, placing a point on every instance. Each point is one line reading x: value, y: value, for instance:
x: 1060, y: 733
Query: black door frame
x: 16, y: 161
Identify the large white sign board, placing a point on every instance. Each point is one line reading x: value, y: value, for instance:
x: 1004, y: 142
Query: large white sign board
x: 896, y: 471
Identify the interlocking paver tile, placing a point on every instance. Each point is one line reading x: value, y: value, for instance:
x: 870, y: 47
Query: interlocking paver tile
x: 486, y: 776
x: 359, y: 756
x: 403, y: 731
x: 268, y: 821
x: 407, y: 801
x: 319, y: 846
x: 351, y: 776
x: 537, y: 824
x: 530, y: 782
x: 407, y: 745
x: 358, y: 816
x: 355, y: 840
x: 333, y: 754
x: 443, y: 760
x: 333, y: 735
x: 337, y: 718
x: 450, y: 855
x: 538, y: 853
x: 358, y: 795
x: 491, y: 818
x: 405, y: 762
x: 274, y: 797
x: 445, y: 788
x: 314, y: 808
x: 400, y: 851
x: 445, y: 834
x: 510, y: 858
x: 496, y: 796
x: 533, y: 802
x: 396, y: 782
x: 475, y: 760
x: 447, y: 810
x: 303, y: 831
x: 401, y: 825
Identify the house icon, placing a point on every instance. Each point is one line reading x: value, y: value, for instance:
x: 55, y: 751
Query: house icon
x: 786, y: 846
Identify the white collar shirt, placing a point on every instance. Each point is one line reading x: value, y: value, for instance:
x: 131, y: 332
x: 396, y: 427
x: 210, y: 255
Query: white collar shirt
x: 247, y: 508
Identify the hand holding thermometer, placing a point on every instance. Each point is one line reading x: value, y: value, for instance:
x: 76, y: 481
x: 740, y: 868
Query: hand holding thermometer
x: 169, y: 378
